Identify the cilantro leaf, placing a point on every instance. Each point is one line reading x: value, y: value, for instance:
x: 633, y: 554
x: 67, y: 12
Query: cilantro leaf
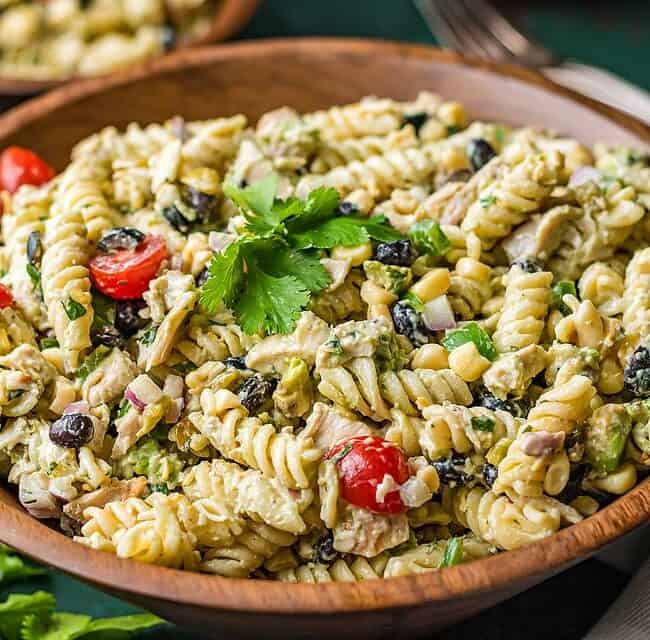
x: 321, y: 205
x: 256, y: 203
x: 379, y: 229
x: 73, y: 309
x: 429, y: 238
x: 270, y: 303
x: 13, y: 567
x: 92, y: 360
x: 304, y: 267
x: 562, y: 288
x: 345, y: 232
x: 226, y: 276
x: 17, y: 607
x: 73, y: 626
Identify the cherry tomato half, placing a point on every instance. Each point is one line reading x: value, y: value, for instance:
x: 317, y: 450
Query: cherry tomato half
x: 362, y: 462
x: 125, y: 274
x: 6, y: 297
x: 19, y: 166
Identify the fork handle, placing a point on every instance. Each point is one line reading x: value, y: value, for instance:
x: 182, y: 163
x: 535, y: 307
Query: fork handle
x: 603, y: 86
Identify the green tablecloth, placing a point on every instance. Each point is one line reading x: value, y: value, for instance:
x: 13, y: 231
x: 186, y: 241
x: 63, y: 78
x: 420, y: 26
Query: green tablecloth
x: 612, y: 35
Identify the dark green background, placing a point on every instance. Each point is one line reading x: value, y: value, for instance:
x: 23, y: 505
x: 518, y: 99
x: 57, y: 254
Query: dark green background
x: 612, y: 35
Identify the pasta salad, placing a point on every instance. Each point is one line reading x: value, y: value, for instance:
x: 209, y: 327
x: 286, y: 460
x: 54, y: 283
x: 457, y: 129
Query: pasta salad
x: 369, y: 341
x: 58, y: 38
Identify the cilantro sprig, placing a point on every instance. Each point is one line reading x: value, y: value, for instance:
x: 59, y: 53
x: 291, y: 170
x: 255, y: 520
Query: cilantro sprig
x: 33, y: 616
x: 267, y: 277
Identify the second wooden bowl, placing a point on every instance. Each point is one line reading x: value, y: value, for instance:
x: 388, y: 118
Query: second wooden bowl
x: 230, y: 18
x: 310, y: 74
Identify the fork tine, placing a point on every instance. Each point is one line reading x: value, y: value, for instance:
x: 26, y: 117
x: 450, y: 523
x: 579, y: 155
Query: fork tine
x: 438, y: 24
x: 513, y: 40
x: 476, y: 38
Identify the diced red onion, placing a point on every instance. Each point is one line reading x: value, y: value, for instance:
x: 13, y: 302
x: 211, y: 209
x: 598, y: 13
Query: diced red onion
x: 81, y: 406
x: 145, y: 391
x: 36, y: 498
x: 583, y: 175
x: 523, y: 241
x: 438, y: 314
x: 134, y: 400
x: 219, y: 241
x: 541, y: 443
x: 178, y: 127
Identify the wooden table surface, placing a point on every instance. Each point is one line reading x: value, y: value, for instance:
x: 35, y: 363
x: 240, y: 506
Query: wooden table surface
x: 611, y: 35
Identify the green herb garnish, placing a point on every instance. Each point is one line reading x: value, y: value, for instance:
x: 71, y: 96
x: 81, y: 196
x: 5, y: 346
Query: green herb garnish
x: 184, y: 367
x: 148, y: 335
x: 92, y: 361
x: 33, y: 616
x: 269, y: 274
x: 428, y: 238
x: 471, y: 332
x: 561, y: 289
x: 483, y: 423
x: 35, y: 276
x: 73, y: 309
x: 123, y: 409
x: 453, y: 553
x: 342, y: 453
x: 413, y: 301
x: 487, y: 200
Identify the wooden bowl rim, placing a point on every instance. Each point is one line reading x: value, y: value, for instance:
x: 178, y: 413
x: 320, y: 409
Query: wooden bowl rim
x: 549, y: 555
x: 230, y: 18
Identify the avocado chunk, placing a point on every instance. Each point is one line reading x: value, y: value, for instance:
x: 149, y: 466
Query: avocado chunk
x: 388, y: 276
x: 605, y: 437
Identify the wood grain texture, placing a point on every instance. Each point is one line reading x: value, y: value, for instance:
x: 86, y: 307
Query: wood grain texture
x: 307, y: 74
x: 230, y: 18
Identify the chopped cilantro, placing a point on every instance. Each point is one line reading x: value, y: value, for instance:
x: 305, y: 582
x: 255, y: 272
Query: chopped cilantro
x: 342, y: 453
x: 487, y: 200
x: 429, y: 238
x: 483, y: 423
x: 561, y: 289
x: 35, y: 276
x: 92, y: 361
x: 148, y: 335
x: 123, y: 409
x: 413, y: 301
x: 184, y: 367
x: 471, y: 332
x: 73, y: 309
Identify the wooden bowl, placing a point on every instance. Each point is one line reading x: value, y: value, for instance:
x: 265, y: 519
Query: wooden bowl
x: 231, y: 17
x: 310, y: 74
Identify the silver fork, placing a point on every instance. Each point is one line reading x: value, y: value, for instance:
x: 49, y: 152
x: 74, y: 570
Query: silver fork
x: 476, y: 28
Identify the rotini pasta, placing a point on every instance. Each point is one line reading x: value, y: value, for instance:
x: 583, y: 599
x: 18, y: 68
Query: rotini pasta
x: 365, y: 342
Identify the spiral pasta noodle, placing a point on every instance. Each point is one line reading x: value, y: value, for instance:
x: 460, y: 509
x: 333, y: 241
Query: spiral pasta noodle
x: 461, y: 359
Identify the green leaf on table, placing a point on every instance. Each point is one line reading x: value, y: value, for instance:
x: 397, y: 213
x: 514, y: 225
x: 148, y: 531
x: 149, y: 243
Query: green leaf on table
x: 13, y: 567
x: 38, y: 605
x: 72, y: 626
